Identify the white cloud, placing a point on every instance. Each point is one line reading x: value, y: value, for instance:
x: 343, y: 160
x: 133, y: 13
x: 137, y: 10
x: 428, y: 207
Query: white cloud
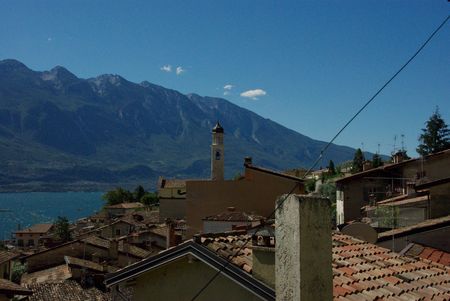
x: 253, y: 94
x: 226, y: 93
x: 166, y: 68
x: 180, y: 70
x: 49, y: 39
x: 228, y: 87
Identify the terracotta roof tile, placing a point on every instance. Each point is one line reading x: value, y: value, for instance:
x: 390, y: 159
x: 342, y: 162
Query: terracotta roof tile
x: 66, y: 290
x: 7, y: 256
x: 361, y: 271
x: 38, y: 228
x: 7, y: 287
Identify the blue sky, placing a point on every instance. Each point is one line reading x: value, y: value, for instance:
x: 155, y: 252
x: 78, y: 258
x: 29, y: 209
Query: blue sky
x: 308, y: 65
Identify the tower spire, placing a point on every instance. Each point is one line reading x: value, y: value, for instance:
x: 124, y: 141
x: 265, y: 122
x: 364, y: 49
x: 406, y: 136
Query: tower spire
x: 217, y: 159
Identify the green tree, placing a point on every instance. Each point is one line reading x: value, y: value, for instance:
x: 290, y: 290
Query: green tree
x: 150, y: 198
x: 358, y: 161
x: 435, y: 136
x: 117, y: 196
x: 328, y: 190
x: 18, y: 269
x: 139, y: 192
x: 62, y: 228
x: 331, y: 168
x: 376, y: 160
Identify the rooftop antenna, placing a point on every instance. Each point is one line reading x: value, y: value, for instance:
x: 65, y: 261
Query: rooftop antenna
x: 395, y: 143
x: 403, y: 142
x: 378, y: 150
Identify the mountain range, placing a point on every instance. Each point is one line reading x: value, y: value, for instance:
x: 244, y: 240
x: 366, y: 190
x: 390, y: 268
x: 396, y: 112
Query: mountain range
x: 60, y: 132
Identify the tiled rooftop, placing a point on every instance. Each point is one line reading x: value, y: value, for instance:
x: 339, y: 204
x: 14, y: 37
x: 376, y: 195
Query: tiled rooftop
x: 38, y: 228
x: 8, y: 287
x: 7, y: 256
x: 123, y: 247
x: 54, y: 274
x: 435, y: 255
x: 64, y: 291
x: 234, y: 216
x: 82, y: 263
x: 361, y: 271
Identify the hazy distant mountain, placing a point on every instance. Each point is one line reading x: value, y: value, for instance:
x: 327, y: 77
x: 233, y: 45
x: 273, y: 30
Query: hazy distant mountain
x: 58, y: 131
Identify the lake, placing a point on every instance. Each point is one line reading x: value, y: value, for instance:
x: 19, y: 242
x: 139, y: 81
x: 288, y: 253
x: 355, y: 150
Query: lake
x: 26, y: 209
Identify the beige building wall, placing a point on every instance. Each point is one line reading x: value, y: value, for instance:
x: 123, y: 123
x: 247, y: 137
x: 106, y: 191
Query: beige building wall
x: 182, y: 279
x: 435, y: 167
x: 256, y: 193
x: 5, y: 270
x: 116, y: 230
x: 172, y: 208
x: 172, y: 202
x: 440, y: 200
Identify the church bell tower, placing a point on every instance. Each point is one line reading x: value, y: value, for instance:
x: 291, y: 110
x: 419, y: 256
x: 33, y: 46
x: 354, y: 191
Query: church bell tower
x: 217, y: 153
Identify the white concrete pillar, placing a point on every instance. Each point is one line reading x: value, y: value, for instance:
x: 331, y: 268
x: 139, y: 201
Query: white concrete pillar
x: 303, y: 249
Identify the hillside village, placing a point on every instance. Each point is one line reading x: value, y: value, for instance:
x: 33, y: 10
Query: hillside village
x: 263, y: 235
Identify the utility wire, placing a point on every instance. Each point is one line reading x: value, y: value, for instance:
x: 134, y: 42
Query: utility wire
x: 280, y: 203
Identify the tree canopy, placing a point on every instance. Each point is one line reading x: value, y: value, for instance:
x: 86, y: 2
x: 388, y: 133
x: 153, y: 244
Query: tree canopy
x: 358, y: 161
x: 435, y: 136
x: 120, y: 195
x: 62, y: 228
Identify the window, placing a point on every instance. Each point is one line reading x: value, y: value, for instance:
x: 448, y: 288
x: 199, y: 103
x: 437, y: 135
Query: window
x: 217, y: 155
x: 117, y: 232
x: 31, y: 242
x: 20, y: 242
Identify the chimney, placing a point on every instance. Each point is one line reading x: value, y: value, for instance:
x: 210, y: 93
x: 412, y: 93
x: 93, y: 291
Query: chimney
x: 410, y: 188
x: 367, y: 165
x: 113, y: 250
x: 171, y: 239
x: 303, y: 249
x: 263, y: 255
x: 398, y: 157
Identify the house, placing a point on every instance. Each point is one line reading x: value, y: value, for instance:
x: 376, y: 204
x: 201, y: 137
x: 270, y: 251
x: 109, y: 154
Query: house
x: 32, y: 236
x: 10, y: 289
x: 192, y: 200
x: 94, y: 248
x: 123, y: 208
x: 254, y: 192
x: 6, y: 264
x: 392, y: 180
x: 361, y: 271
x: 433, y: 233
x: 230, y: 219
x: 172, y: 199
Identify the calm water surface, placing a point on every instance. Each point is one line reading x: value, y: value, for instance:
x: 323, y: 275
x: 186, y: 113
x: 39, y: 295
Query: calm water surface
x: 30, y: 208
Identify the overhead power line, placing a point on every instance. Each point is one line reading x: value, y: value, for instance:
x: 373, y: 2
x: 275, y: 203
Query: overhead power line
x: 324, y: 149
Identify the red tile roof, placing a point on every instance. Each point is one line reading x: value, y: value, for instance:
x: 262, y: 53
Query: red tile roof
x: 435, y: 255
x: 38, y: 228
x: 361, y: 271
x: 7, y: 256
x: 64, y: 291
x: 234, y: 216
x: 10, y: 288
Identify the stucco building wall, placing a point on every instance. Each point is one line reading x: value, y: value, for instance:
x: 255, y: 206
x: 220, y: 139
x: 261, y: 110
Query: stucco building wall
x: 186, y: 278
x: 256, y: 193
